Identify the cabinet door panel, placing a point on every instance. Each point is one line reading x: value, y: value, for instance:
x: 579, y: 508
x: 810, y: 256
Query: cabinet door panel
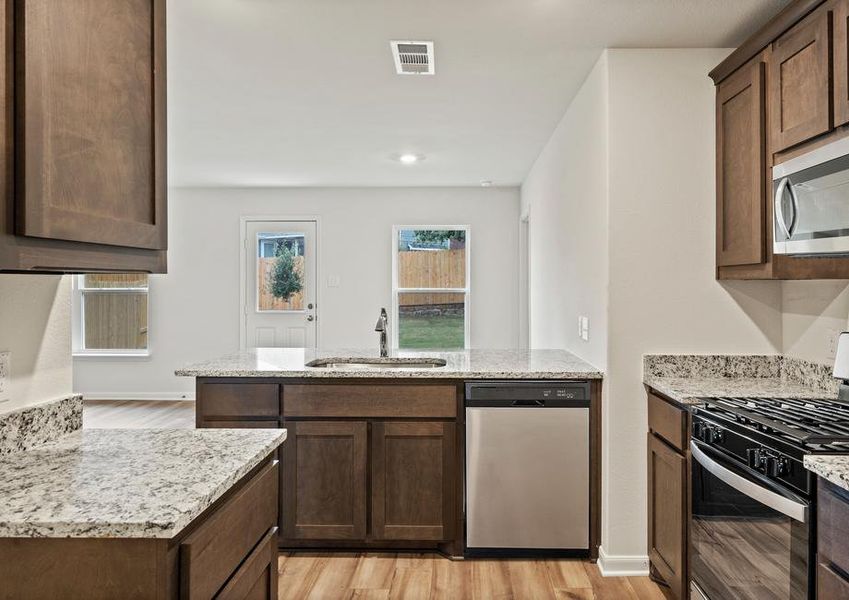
x: 841, y: 62
x: 324, y: 480
x: 799, y: 82
x: 740, y: 186
x: 667, y: 481
x: 412, y: 480
x: 90, y: 121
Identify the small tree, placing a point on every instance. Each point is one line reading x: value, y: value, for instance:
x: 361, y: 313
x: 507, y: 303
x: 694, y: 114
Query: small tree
x: 285, y: 279
x: 440, y: 235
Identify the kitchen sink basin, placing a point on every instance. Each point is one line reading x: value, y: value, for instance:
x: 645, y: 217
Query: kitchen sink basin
x: 376, y: 363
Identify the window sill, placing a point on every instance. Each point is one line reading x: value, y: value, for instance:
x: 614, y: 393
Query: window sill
x: 145, y: 354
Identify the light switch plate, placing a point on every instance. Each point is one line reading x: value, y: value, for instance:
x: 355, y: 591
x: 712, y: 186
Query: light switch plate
x: 585, y: 328
x: 5, y: 375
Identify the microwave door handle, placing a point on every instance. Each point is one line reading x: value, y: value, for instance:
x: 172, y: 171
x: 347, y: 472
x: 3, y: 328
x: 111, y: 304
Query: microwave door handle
x: 794, y: 219
x: 795, y: 510
x: 779, y: 212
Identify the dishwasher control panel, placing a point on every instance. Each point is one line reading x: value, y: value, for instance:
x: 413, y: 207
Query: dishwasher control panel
x: 528, y: 393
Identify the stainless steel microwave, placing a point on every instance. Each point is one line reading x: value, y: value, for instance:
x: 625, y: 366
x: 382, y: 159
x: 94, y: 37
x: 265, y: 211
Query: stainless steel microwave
x: 811, y: 202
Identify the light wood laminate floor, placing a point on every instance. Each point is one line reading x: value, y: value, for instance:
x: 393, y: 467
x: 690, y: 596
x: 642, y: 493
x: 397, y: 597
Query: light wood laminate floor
x: 138, y: 414
x: 334, y: 576
x: 431, y: 577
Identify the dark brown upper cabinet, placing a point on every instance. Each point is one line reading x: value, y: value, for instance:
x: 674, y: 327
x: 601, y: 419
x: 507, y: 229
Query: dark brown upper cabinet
x: 799, y: 82
x: 783, y: 92
x: 740, y: 164
x: 85, y: 155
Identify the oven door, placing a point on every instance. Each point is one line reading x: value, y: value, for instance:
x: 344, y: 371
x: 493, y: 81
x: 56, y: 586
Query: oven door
x: 749, y: 538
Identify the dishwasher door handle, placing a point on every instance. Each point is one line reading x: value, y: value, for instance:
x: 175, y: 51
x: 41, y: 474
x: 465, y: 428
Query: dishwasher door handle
x: 531, y: 403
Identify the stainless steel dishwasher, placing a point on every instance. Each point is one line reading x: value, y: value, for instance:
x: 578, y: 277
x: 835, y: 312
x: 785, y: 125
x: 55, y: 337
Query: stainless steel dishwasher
x: 527, y: 468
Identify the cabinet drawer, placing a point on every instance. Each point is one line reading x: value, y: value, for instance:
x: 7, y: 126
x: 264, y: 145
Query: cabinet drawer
x: 668, y: 422
x: 833, y: 525
x: 830, y: 585
x: 211, y: 553
x: 256, y: 579
x: 239, y: 400
x: 367, y: 401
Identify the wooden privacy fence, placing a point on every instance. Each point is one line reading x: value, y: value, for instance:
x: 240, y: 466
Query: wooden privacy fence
x: 267, y: 301
x: 431, y: 269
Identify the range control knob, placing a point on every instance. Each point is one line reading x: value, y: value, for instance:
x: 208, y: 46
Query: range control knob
x: 699, y: 431
x: 777, y: 466
x: 715, y: 435
x: 755, y: 458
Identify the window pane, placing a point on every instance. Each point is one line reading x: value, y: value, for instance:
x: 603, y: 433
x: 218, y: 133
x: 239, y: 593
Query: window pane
x: 115, y: 280
x: 434, y: 321
x: 429, y: 258
x: 115, y: 321
x: 280, y: 271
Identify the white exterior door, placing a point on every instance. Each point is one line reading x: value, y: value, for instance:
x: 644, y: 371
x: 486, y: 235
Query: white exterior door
x: 280, y: 279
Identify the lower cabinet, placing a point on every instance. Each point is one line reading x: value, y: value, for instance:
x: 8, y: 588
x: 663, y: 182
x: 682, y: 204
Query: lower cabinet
x: 412, y: 480
x: 668, y: 495
x: 324, y: 480
x: 832, y: 541
x: 330, y: 469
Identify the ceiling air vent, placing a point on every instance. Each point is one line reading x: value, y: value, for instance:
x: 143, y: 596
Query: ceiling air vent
x: 413, y: 58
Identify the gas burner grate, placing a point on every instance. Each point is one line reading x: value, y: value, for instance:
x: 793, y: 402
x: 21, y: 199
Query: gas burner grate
x: 809, y: 422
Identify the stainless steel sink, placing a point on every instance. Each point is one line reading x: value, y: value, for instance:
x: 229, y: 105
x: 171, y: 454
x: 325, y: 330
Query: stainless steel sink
x: 376, y: 363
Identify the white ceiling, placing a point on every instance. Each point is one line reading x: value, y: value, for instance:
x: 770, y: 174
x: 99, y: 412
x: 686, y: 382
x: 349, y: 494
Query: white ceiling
x: 304, y: 92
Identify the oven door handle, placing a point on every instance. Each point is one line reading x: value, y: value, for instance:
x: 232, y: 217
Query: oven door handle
x: 786, y: 506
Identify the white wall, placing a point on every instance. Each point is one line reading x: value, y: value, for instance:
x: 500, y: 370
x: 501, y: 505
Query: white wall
x: 565, y: 195
x: 660, y: 289
x: 663, y: 292
x: 195, y: 307
x: 813, y: 313
x: 35, y: 327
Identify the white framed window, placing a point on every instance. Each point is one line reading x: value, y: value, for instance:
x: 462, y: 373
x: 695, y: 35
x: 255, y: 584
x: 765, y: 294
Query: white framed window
x: 110, y: 314
x: 431, y: 287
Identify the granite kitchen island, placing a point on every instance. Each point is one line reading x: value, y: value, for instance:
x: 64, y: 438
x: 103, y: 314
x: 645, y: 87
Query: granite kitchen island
x: 141, y: 514
x: 375, y: 455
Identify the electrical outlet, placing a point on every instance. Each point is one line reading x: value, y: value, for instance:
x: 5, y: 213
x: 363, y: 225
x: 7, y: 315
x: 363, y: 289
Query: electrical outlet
x: 5, y: 375
x: 832, y: 334
x: 333, y: 281
x: 585, y: 328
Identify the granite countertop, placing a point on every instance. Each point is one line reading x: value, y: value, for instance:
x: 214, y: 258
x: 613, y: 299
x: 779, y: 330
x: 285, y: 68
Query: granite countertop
x: 688, y: 377
x: 834, y: 468
x: 469, y: 364
x: 142, y: 483
x: 689, y: 390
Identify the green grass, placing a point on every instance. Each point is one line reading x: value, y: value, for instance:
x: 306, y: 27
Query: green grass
x: 445, y: 332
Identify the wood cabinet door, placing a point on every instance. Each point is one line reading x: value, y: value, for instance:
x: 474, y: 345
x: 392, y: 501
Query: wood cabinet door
x: 740, y: 168
x: 324, y: 480
x: 412, y: 480
x: 90, y: 121
x: 667, y: 514
x: 799, y: 82
x: 840, y: 46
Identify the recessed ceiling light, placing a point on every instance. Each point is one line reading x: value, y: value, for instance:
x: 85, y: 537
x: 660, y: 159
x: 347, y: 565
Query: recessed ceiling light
x: 410, y: 159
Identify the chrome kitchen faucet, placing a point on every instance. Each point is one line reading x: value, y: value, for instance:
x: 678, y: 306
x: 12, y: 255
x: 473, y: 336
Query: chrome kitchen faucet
x: 382, y: 327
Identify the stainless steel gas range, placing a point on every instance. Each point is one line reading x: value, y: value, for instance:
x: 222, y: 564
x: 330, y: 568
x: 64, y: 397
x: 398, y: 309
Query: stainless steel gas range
x: 752, y: 532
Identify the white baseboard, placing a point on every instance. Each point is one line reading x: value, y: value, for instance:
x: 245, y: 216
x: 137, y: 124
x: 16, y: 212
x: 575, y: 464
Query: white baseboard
x: 612, y: 565
x: 138, y: 395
